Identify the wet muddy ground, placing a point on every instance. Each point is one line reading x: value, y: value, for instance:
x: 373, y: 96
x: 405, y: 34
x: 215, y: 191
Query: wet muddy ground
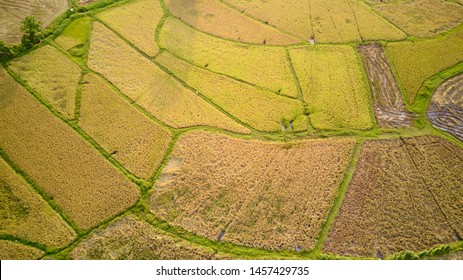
x: 389, y: 108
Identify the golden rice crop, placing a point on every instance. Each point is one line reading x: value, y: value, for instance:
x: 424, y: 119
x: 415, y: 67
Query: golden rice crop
x: 404, y: 195
x: 132, y: 138
x: 258, y: 108
x: 130, y: 238
x: 26, y: 215
x: 12, y: 12
x: 150, y: 87
x: 253, y: 193
x: 417, y: 61
x: 75, y: 34
x: 52, y: 75
x: 14, y: 251
x: 137, y: 22
x: 264, y: 66
x: 70, y: 171
x: 218, y: 19
x: 423, y: 18
x: 333, y: 86
x: 333, y: 21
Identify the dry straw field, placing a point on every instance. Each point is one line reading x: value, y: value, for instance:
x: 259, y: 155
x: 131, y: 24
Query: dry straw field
x: 275, y: 196
x: 232, y: 129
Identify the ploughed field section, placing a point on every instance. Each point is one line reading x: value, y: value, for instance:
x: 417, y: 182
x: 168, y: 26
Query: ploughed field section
x: 252, y: 193
x: 406, y: 194
x: 389, y: 107
x: 445, y: 109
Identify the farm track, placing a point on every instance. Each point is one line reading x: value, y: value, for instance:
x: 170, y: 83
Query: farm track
x: 445, y: 110
x: 389, y: 107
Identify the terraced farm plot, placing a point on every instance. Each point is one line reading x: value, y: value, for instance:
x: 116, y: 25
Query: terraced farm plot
x: 137, y: 22
x: 218, y: 19
x: 10, y: 250
x: 445, y: 110
x: 70, y: 171
x: 252, y: 193
x: 406, y: 194
x: 258, y: 108
x: 130, y: 238
x: 12, y: 12
x: 52, y: 75
x: 75, y: 35
x: 150, y: 87
x: 329, y: 21
x: 130, y: 137
x: 333, y: 86
x: 389, y: 107
x: 423, y: 18
x: 263, y: 66
x: 417, y: 61
x: 24, y: 214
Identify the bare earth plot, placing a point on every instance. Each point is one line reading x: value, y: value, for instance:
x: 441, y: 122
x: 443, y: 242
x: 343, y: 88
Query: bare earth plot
x: 258, y: 194
x: 445, y: 109
x: 131, y: 239
x: 406, y: 194
x: 216, y: 18
x: 150, y: 87
x: 128, y: 135
x: 12, y: 12
x: 388, y: 104
x: 70, y: 171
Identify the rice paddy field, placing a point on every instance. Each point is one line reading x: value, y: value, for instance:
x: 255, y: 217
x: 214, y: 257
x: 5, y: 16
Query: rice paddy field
x: 232, y: 129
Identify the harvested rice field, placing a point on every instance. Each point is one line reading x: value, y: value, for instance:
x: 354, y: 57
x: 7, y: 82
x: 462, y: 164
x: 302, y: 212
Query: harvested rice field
x: 445, y: 109
x: 406, y: 194
x: 388, y: 102
x: 257, y: 194
x: 231, y: 129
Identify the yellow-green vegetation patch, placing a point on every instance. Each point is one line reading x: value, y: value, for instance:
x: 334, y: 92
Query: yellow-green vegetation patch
x: 70, y: 171
x: 216, y: 18
x: 419, y: 60
x: 150, y: 87
x: 131, y: 239
x: 137, y: 22
x: 253, y: 193
x: 24, y: 214
x: 10, y: 250
x: 258, y: 108
x: 424, y: 18
x: 52, y: 75
x: 127, y: 134
x: 12, y: 12
x: 405, y: 194
x: 267, y: 67
x: 74, y: 36
x: 328, y: 21
x: 334, y: 86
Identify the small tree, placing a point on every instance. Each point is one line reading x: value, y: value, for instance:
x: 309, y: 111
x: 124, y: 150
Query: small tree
x: 5, y: 52
x: 31, y: 28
